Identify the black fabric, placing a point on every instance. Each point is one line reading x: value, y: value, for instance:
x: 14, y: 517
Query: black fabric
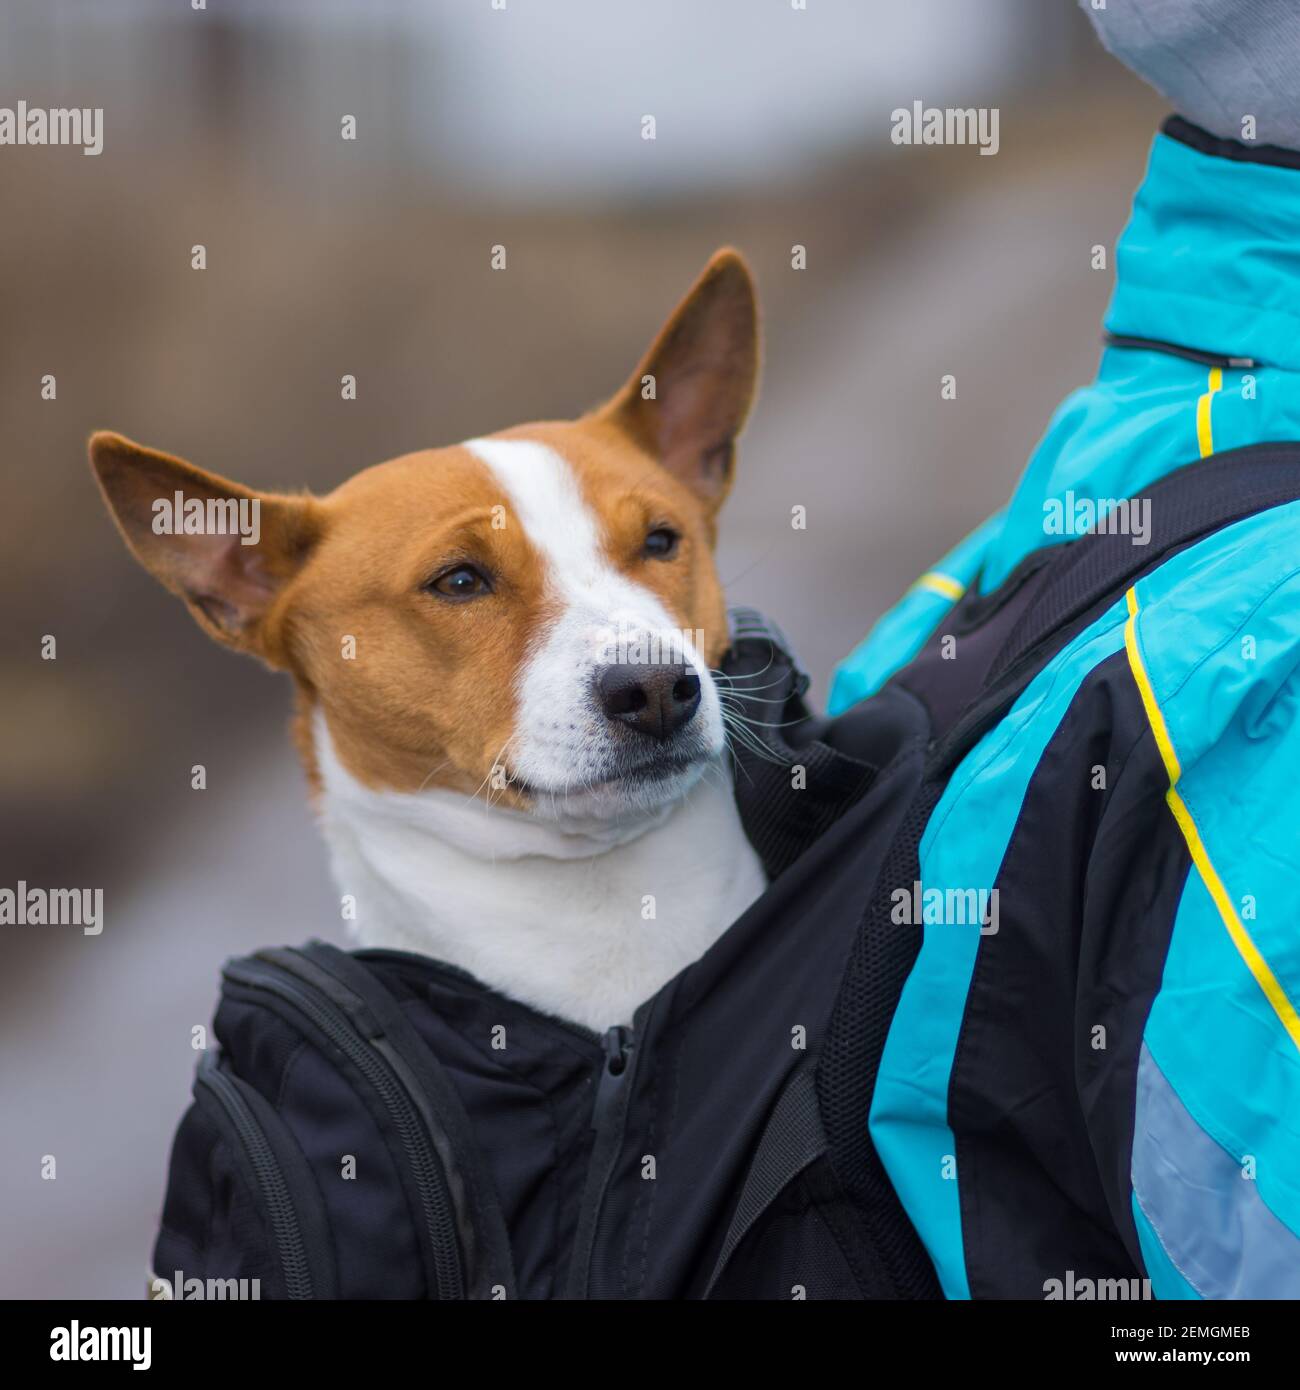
x: 782, y: 813
x: 1180, y: 129
x: 242, y: 1203
x: 479, y: 1234
x: 793, y: 1139
x: 213, y: 1216
x: 807, y: 1247
x: 360, y: 1155
x: 717, y: 1045
x: 526, y: 1082
x: 1053, y: 973
x: 954, y: 662
x: 882, y: 957
x: 1137, y: 868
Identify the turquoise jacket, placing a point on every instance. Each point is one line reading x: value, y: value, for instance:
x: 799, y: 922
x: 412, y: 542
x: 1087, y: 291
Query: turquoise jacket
x: 1207, y: 648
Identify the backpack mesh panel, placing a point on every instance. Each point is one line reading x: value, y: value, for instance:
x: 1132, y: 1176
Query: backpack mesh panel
x: 780, y: 822
x: 879, y: 965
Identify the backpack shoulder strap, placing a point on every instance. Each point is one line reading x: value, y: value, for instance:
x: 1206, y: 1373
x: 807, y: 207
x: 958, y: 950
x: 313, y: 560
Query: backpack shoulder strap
x: 1090, y: 573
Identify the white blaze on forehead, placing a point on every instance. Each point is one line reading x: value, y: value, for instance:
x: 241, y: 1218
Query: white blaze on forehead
x: 561, y: 737
x: 548, y: 503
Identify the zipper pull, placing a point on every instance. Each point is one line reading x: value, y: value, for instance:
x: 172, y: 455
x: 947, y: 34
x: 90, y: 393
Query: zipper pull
x: 617, y: 1044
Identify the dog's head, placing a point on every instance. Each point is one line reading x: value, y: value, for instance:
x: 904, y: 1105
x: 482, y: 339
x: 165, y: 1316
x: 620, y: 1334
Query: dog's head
x: 531, y: 616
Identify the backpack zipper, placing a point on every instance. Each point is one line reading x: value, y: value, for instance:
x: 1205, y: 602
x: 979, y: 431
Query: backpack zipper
x: 371, y: 1059
x: 616, y: 1045
x: 285, y: 1227
x: 608, y: 1116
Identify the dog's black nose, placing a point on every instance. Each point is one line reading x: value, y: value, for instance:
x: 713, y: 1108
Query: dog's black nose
x: 655, y: 700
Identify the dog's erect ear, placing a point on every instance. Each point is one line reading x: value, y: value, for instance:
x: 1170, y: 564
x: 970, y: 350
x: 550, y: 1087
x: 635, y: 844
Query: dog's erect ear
x: 189, y: 529
x: 687, y: 401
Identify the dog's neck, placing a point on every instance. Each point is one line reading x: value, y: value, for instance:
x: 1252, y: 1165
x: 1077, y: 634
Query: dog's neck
x: 581, y: 920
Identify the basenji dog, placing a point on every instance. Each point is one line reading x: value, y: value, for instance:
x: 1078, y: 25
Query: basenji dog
x: 503, y: 656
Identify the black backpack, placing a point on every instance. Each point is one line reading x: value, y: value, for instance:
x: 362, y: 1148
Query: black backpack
x: 379, y: 1125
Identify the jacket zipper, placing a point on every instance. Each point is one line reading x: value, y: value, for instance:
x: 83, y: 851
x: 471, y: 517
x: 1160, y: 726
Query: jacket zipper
x: 285, y: 1227
x: 1206, y: 359
x: 371, y: 1061
x: 608, y: 1115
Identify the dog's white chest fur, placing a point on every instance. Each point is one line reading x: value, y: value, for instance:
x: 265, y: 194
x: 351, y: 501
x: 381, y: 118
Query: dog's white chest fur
x: 584, y: 923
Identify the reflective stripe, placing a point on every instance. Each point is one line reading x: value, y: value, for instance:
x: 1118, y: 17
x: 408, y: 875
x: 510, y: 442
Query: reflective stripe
x: 1212, y: 1223
x: 942, y: 584
x: 1154, y: 717
x: 1241, y: 938
x: 1164, y: 1277
x: 1204, y: 434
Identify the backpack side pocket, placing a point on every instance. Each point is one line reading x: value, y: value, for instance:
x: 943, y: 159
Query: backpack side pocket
x: 243, y: 1214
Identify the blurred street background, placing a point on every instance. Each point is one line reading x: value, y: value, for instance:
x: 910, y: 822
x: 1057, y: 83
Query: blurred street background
x: 476, y: 126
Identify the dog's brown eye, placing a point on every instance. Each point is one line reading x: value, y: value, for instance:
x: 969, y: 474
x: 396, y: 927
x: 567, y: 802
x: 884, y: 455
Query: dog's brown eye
x: 460, y: 583
x: 660, y: 543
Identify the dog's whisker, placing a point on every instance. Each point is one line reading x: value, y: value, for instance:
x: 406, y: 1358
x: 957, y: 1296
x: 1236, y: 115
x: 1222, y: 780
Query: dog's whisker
x: 739, y: 730
x: 744, y: 739
x: 742, y: 699
x: 724, y: 679
x: 433, y: 772
x: 496, y: 765
x: 764, y: 723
